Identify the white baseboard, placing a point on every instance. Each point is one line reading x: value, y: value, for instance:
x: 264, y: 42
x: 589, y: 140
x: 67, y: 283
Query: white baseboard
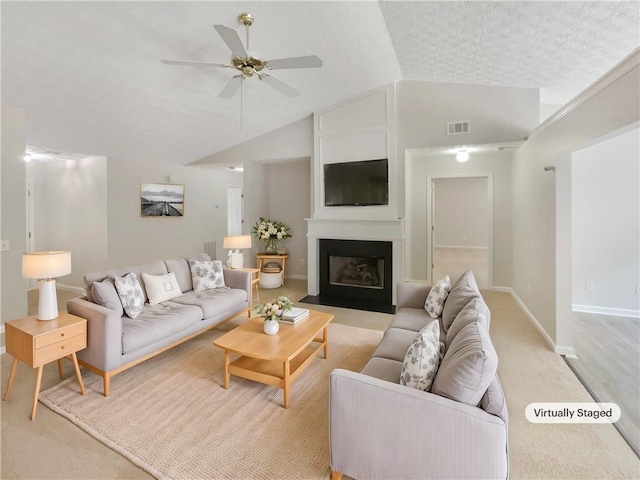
x: 70, y: 288
x: 616, y: 312
x: 462, y: 246
x: 296, y: 277
x: 565, y: 350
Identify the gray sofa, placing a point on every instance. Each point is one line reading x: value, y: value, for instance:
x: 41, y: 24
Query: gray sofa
x: 116, y: 342
x: 380, y: 429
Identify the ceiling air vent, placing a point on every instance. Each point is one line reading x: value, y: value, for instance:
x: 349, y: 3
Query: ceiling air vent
x: 457, y: 128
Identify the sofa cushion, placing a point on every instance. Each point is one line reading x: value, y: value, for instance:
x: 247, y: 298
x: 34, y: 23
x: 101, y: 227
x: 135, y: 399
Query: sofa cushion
x: 436, y: 297
x: 383, y: 368
x: 180, y: 268
x: 394, y: 344
x: 474, y: 311
x: 215, y: 302
x: 462, y: 292
x: 468, y: 366
x: 155, y: 268
x: 414, y: 319
x: 130, y: 293
x: 104, y: 293
x: 493, y: 401
x: 161, y: 288
x: 421, y: 360
x: 206, y: 274
x: 157, y: 322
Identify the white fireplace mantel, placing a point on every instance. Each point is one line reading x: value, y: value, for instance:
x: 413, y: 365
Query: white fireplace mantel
x: 348, y: 229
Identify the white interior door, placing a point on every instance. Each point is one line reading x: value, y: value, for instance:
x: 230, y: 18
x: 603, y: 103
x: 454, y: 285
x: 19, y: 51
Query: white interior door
x: 234, y: 211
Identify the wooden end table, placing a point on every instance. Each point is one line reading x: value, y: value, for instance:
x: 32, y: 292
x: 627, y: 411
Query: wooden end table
x: 38, y: 342
x: 262, y: 258
x: 274, y: 359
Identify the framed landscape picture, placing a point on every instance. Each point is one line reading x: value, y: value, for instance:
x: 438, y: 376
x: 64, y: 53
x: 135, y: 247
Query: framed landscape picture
x: 161, y: 200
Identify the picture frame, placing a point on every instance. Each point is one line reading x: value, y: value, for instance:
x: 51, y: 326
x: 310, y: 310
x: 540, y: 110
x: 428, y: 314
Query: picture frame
x: 161, y: 200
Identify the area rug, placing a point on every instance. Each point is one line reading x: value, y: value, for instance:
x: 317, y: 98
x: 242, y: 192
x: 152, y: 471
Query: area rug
x: 172, y: 417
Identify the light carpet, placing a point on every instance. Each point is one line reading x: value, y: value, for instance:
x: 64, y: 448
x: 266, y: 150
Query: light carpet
x: 172, y: 417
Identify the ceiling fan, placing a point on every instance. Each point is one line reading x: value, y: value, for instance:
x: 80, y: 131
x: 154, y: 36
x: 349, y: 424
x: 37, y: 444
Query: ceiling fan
x: 249, y: 64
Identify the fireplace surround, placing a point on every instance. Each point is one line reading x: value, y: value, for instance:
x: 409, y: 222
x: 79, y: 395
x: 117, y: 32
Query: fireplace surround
x: 355, y: 274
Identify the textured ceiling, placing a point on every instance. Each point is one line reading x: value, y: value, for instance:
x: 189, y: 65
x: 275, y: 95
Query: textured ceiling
x: 558, y: 47
x: 90, y: 77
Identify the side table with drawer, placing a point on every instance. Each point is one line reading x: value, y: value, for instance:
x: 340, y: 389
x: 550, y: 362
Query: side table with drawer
x: 38, y: 342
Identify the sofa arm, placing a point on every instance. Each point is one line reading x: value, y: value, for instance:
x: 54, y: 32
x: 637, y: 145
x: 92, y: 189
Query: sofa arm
x: 238, y: 279
x: 104, y: 334
x: 412, y: 295
x: 382, y: 430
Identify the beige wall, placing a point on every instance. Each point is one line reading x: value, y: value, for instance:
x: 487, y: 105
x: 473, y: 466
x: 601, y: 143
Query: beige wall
x: 134, y: 240
x: 609, y: 105
x: 422, y: 166
x: 14, y: 214
x: 279, y: 191
x: 70, y: 212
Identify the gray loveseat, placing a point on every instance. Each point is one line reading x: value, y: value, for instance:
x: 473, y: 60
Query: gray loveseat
x: 380, y: 429
x: 116, y: 342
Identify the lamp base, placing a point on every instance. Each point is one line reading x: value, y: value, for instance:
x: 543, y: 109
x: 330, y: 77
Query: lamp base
x: 47, y: 300
x: 236, y: 260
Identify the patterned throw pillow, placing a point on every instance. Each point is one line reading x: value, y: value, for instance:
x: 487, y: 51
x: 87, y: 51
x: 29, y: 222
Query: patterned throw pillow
x: 434, y: 304
x: 130, y: 293
x: 206, y: 275
x: 421, y: 361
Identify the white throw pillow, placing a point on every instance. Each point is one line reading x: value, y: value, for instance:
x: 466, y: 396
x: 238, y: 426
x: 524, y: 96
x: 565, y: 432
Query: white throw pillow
x: 130, y: 293
x: 421, y: 361
x: 434, y: 304
x: 206, y: 275
x: 161, y: 288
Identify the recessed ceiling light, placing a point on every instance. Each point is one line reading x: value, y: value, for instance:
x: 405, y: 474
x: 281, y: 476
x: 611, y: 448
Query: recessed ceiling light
x: 462, y: 156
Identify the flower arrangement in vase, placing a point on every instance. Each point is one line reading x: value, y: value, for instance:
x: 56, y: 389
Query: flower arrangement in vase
x: 270, y: 312
x: 272, y: 232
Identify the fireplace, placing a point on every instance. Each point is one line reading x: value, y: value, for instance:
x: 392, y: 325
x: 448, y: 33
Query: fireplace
x: 355, y: 274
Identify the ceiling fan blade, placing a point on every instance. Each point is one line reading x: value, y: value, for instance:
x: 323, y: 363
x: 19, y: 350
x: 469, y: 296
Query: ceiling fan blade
x: 310, y: 61
x: 195, y: 63
x: 232, y: 87
x: 280, y: 86
x: 232, y: 39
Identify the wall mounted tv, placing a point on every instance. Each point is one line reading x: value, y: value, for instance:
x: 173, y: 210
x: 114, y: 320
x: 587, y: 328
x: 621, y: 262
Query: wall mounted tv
x: 363, y: 183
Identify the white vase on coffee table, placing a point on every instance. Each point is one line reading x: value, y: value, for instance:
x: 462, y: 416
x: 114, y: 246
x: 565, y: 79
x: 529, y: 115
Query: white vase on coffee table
x: 271, y: 327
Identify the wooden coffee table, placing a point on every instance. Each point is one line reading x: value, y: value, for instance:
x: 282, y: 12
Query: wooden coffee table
x: 274, y: 359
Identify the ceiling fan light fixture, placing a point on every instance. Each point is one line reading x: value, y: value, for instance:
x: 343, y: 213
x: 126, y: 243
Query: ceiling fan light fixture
x: 462, y: 156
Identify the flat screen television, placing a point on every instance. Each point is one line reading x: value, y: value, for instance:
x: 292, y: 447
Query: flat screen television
x: 356, y: 184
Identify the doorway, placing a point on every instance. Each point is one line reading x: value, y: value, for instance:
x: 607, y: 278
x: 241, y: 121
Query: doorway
x: 460, y: 222
x: 234, y: 211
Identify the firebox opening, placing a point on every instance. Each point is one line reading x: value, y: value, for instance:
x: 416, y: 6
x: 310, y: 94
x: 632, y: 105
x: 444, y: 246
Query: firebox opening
x: 360, y: 272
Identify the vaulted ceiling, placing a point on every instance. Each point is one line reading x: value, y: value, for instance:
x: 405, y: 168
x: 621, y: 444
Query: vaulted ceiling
x: 90, y: 78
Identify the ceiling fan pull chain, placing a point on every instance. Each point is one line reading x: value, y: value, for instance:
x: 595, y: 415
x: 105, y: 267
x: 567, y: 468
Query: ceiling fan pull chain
x: 241, y: 103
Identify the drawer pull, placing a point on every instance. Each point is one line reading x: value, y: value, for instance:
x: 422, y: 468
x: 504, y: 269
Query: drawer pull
x: 62, y: 347
x: 62, y: 334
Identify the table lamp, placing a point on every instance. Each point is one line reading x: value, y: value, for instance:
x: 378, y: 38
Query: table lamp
x: 45, y: 266
x: 237, y: 242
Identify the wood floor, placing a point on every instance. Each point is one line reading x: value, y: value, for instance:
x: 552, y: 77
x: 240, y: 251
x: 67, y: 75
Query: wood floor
x: 608, y: 364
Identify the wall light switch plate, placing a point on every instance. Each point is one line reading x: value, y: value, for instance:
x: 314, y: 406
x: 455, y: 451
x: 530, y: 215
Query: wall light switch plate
x: 5, y: 245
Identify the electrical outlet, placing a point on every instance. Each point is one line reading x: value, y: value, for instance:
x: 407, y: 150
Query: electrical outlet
x: 5, y: 245
x: 302, y: 262
x: 637, y: 289
x: 590, y: 286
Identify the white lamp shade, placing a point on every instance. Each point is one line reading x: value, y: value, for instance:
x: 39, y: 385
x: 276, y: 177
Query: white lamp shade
x: 237, y: 241
x: 49, y: 264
